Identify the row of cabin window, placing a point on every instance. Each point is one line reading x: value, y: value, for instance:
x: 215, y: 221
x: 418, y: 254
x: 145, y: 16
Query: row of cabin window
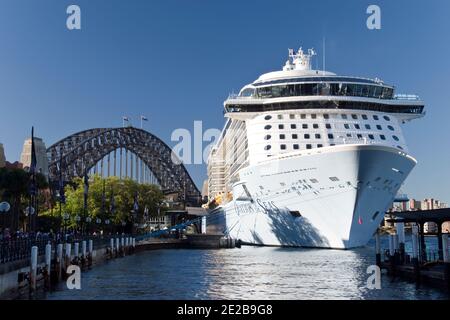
x: 297, y: 146
x: 327, y: 116
x: 330, y: 136
x: 328, y: 126
x: 294, y: 146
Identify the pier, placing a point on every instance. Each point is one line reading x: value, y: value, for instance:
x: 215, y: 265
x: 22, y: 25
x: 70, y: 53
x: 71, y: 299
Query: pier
x: 419, y: 264
x: 30, y: 265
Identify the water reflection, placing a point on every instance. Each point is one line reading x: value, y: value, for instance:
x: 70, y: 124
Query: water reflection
x: 247, y: 273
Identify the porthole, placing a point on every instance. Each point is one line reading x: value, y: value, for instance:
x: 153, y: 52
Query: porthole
x: 282, y: 136
x: 268, y: 147
x: 382, y: 137
x: 313, y: 116
x: 375, y: 117
x: 346, y: 126
x: 328, y: 126
x: 391, y: 128
x: 305, y: 126
x: 267, y: 137
x: 395, y: 138
x: 280, y: 117
x: 293, y: 126
x: 291, y: 116
x: 379, y: 127
x: 326, y: 116
x: 359, y: 136
x: 295, y: 146
x: 315, y: 126
x: 308, y: 146
x: 367, y: 126
x: 371, y: 137
x: 344, y: 116
x: 330, y: 136
x: 282, y: 146
x: 294, y: 136
x: 303, y: 116
x: 364, y: 116
x: 317, y: 136
x: 281, y: 126
x: 354, y: 116
x: 387, y: 118
x: 319, y: 145
x: 357, y: 127
x: 268, y: 127
x: 306, y: 136
x: 267, y: 117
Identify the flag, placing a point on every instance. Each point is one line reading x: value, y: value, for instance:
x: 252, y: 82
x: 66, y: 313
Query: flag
x: 360, y: 220
x: 33, y: 154
x: 62, y: 196
x: 33, y: 165
x: 144, y: 118
x: 125, y: 118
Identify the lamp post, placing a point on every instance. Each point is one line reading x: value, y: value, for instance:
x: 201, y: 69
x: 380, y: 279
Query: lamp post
x: 88, y: 221
x: 77, y: 219
x: 66, y: 217
x: 4, y: 208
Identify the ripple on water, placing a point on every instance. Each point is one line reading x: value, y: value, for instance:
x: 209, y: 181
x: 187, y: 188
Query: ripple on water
x: 246, y: 273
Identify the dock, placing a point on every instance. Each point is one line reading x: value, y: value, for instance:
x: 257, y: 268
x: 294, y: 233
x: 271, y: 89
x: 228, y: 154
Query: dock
x: 420, y: 265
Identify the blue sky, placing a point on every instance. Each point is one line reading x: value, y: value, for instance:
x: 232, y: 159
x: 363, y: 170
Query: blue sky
x: 176, y: 61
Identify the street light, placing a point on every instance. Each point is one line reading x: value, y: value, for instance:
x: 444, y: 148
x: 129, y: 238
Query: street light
x: 4, y: 208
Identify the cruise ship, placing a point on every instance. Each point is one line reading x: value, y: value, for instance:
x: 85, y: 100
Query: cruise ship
x: 309, y: 158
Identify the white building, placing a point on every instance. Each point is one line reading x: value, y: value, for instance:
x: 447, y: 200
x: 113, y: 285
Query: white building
x: 41, y: 155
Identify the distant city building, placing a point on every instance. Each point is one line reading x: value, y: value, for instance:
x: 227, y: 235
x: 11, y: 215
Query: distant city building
x: 417, y: 205
x: 14, y: 165
x: 2, y: 156
x: 41, y: 155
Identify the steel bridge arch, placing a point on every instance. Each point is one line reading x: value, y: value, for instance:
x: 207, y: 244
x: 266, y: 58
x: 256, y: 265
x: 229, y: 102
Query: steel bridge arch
x: 81, y: 151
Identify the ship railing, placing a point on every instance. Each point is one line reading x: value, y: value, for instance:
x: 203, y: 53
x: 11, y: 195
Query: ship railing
x: 406, y: 97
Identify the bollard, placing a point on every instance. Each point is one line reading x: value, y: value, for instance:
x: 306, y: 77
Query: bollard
x: 445, y: 247
x: 59, y: 254
x: 122, y: 242
x: 126, y: 245
x: 33, y: 268
x: 415, y: 249
x: 76, y: 247
x: 377, y: 249
x: 48, y: 265
x: 134, y: 242
x: 68, y: 262
x: 91, y: 252
x: 111, y: 248
x: 203, y: 228
x: 83, y: 249
x: 83, y: 253
x: 117, y: 247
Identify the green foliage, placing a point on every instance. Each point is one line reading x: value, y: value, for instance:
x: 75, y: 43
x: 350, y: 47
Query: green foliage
x: 123, y: 191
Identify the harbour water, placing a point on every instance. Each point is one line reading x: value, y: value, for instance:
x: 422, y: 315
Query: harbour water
x: 246, y: 273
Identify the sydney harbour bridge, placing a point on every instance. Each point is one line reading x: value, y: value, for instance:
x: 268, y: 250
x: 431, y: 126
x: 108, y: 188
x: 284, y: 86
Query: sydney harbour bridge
x: 125, y: 152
